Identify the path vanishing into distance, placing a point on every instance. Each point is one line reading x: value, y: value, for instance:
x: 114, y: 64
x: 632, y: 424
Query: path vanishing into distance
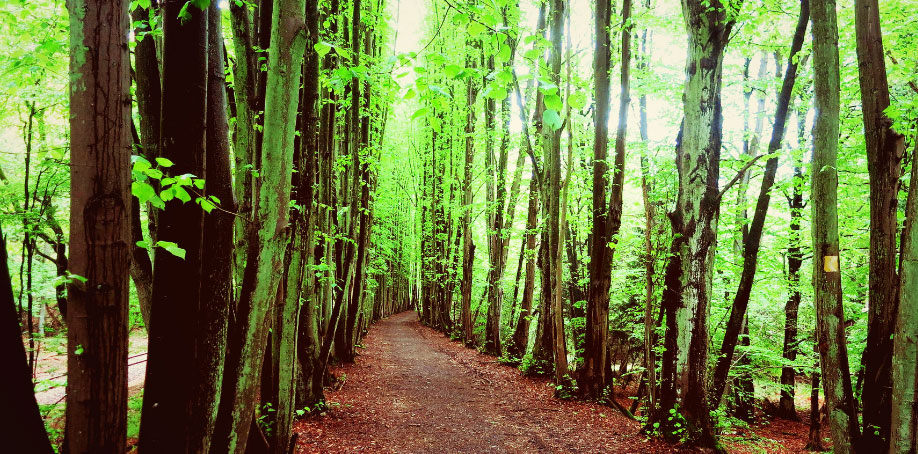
x: 412, y: 390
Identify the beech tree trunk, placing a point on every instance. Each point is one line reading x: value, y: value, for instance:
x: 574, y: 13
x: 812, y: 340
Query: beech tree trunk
x: 830, y: 318
x: 100, y: 235
x: 752, y: 238
x: 21, y: 424
x: 595, y: 346
x: 468, y: 246
x: 885, y: 148
x: 268, y: 235
x: 904, y: 417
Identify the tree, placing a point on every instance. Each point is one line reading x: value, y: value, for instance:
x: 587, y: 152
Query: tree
x: 885, y: 148
x: 22, y: 425
x: 268, y: 237
x: 597, y: 314
x: 689, y: 274
x: 100, y: 236
x: 830, y: 315
x: 904, y: 422
x: 752, y: 238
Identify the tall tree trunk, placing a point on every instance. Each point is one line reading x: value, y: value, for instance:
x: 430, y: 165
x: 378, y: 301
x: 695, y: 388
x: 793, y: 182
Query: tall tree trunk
x: 904, y: 409
x: 305, y: 221
x: 191, y: 294
x: 786, y: 407
x: 597, y: 314
x: 21, y: 424
x: 100, y: 235
x: 752, y: 239
x: 885, y: 148
x: 468, y: 246
x: 830, y: 318
x: 552, y: 187
x: 695, y: 218
x: 520, y: 338
x: 245, y: 76
x: 268, y: 238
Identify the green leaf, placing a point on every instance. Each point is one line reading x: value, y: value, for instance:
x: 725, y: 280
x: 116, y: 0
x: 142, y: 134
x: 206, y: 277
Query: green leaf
x: 78, y: 350
x: 504, y: 55
x: 577, y: 100
x: 172, y: 248
x: 140, y: 163
x: 419, y: 113
x: 452, y: 71
x: 144, y: 244
x: 166, y: 194
x: 143, y: 191
x: 322, y: 48
x: 460, y: 19
x: 475, y: 29
x: 554, y: 102
x: 496, y: 92
x: 551, y: 119
x: 199, y: 183
x: 206, y: 205
x: 181, y: 194
x: 163, y: 162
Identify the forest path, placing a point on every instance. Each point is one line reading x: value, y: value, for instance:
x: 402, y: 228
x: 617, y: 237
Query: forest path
x: 412, y: 390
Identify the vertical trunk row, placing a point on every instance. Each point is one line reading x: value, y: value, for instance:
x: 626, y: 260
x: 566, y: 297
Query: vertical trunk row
x: 268, y: 235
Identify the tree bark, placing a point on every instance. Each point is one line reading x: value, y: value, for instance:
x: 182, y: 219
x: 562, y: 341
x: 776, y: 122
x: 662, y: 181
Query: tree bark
x: 885, y: 148
x: 269, y: 235
x: 904, y: 417
x: 21, y: 424
x: 830, y: 318
x: 752, y: 239
x: 100, y: 204
x: 594, y: 377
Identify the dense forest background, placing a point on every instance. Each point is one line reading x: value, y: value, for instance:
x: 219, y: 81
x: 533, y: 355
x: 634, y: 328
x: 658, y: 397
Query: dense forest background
x: 720, y: 232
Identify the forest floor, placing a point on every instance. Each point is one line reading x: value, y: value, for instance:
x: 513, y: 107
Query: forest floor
x: 413, y: 390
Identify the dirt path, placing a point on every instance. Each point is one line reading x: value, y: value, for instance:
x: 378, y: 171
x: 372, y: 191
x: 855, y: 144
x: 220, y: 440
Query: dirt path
x: 413, y: 391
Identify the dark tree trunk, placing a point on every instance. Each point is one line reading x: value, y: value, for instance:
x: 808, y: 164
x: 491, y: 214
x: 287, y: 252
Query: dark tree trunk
x: 148, y: 94
x: 594, y: 377
x: 752, y: 239
x: 786, y: 407
x: 885, y: 148
x: 21, y: 425
x: 190, y: 302
x: 100, y: 228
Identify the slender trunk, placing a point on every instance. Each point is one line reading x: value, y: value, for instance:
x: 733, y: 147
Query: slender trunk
x: 885, y: 148
x: 786, y: 407
x: 597, y: 313
x: 520, y: 339
x: 268, y: 239
x: 752, y: 239
x: 468, y: 246
x: 830, y: 318
x: 552, y: 151
x: 100, y: 172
